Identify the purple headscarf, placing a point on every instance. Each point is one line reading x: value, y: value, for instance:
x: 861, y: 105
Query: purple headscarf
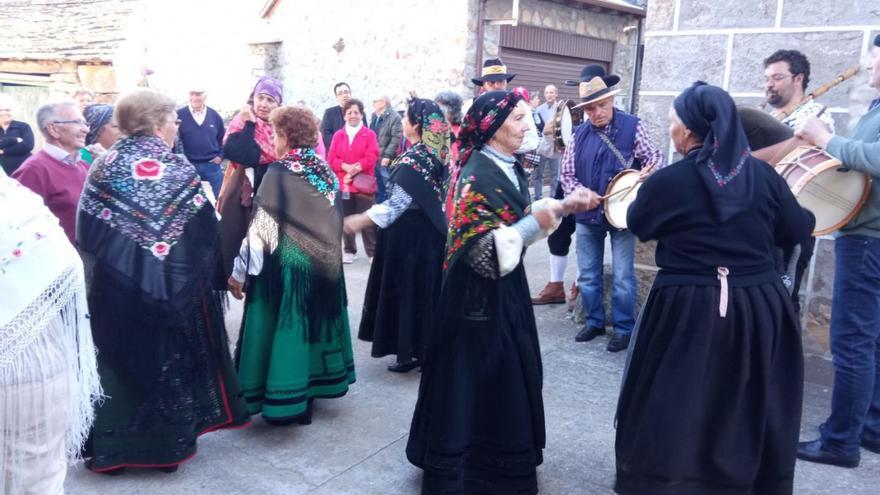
x: 269, y: 86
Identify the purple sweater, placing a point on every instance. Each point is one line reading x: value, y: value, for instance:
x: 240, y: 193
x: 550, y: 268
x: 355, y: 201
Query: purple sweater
x: 58, y: 183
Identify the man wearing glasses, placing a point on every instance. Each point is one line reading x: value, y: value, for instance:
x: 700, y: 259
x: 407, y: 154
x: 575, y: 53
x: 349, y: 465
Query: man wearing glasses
x: 333, y: 119
x: 56, y: 173
x: 786, y: 76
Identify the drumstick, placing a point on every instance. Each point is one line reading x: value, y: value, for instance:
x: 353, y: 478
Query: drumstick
x: 624, y: 190
x: 631, y: 188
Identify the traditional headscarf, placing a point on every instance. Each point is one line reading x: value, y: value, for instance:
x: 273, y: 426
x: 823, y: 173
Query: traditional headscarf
x: 483, y: 119
x: 724, y: 162
x: 269, y: 86
x: 97, y: 116
x: 420, y: 169
x: 433, y: 128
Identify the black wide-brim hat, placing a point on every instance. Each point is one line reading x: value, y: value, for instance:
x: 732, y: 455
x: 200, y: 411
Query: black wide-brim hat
x: 591, y: 71
x: 493, y: 70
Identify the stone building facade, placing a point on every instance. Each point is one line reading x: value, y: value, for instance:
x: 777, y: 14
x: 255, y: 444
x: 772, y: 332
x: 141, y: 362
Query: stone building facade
x: 724, y: 43
x: 426, y: 47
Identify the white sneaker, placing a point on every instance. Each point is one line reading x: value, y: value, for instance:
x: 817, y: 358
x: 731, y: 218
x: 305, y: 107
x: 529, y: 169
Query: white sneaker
x: 348, y: 258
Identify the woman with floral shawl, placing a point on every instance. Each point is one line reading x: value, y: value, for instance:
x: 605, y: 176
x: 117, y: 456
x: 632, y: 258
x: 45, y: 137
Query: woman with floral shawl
x: 48, y: 374
x: 295, y: 343
x: 248, y: 145
x: 405, y: 277
x: 478, y: 426
x: 149, y: 233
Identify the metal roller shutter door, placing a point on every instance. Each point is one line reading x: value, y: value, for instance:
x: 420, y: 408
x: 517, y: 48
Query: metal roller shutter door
x: 535, y: 70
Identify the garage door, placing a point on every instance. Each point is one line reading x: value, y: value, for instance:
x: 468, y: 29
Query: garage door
x: 535, y: 70
x: 543, y: 56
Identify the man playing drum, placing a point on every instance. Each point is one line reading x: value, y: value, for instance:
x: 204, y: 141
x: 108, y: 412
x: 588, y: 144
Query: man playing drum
x: 609, y: 143
x: 786, y: 75
x: 855, y: 327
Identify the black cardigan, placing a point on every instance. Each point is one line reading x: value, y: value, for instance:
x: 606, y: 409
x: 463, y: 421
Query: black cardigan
x: 674, y: 207
x: 14, y: 152
x: 332, y: 121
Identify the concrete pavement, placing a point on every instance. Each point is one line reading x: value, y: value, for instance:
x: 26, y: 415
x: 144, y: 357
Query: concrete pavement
x: 356, y: 444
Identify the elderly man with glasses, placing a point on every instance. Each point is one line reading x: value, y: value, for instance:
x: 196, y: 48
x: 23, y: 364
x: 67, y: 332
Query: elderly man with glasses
x: 56, y: 173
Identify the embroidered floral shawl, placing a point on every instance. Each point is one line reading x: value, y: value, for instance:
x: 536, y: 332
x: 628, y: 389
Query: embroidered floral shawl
x: 143, y: 191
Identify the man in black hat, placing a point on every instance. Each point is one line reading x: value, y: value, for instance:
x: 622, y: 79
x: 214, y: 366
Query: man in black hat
x: 494, y: 76
x: 855, y: 329
x: 605, y: 145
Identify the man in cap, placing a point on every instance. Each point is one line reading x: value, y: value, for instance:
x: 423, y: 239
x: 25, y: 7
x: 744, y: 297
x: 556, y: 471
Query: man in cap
x: 494, y: 76
x: 610, y: 142
x: 855, y: 329
x: 201, y: 134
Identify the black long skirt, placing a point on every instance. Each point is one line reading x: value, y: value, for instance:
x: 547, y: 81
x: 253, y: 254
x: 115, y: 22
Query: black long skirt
x: 711, y: 405
x: 168, y: 375
x: 478, y: 427
x: 403, y: 287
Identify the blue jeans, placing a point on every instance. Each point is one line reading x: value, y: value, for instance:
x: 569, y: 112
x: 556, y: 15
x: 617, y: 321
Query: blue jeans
x: 381, y: 181
x: 212, y: 173
x: 590, y: 252
x: 855, y: 346
x: 538, y: 175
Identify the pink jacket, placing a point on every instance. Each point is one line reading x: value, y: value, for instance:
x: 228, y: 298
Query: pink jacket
x: 364, y: 149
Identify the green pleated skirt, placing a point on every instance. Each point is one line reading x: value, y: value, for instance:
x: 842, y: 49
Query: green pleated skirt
x: 285, y: 355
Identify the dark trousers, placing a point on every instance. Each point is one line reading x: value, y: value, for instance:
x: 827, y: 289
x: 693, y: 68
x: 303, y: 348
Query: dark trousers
x: 560, y: 240
x: 855, y: 345
x: 359, y: 203
x: 381, y: 182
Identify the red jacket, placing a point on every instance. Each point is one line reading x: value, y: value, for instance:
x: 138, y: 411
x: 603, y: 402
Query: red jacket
x: 364, y: 149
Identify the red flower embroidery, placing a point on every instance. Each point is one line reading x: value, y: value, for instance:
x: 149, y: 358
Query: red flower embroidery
x: 147, y: 169
x: 106, y: 214
x: 199, y: 200
x: 16, y: 253
x: 160, y: 249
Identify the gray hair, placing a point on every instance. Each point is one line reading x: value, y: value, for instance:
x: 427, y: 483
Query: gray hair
x: 49, y: 112
x: 450, y: 102
x: 384, y: 98
x: 551, y: 86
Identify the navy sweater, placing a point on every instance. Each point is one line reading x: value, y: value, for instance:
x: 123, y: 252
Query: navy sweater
x: 201, y: 143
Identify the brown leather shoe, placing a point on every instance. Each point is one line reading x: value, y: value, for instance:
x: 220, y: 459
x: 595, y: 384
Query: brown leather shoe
x: 552, y: 293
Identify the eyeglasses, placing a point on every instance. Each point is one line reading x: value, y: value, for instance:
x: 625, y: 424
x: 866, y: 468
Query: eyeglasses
x: 343, y: 92
x: 76, y: 122
x: 177, y: 122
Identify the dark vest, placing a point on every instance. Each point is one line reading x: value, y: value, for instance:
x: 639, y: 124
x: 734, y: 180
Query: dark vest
x: 595, y: 164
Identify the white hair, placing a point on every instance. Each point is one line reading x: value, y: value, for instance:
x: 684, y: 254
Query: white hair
x: 49, y: 112
x: 551, y: 86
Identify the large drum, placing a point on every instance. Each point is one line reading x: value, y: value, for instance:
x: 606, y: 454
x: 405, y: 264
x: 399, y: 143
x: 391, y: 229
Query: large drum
x: 822, y: 185
x: 567, y: 118
x: 621, y: 193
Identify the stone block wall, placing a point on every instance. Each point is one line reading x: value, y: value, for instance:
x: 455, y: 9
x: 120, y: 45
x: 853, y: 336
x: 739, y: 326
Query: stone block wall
x: 724, y: 42
x: 393, y: 47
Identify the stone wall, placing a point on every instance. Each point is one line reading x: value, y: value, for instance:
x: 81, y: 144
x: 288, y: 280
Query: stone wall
x: 391, y: 48
x: 582, y: 20
x: 725, y: 42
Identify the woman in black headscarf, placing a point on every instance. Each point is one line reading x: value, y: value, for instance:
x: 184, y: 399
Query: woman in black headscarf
x: 711, y: 400
x: 405, y: 277
x: 478, y: 426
